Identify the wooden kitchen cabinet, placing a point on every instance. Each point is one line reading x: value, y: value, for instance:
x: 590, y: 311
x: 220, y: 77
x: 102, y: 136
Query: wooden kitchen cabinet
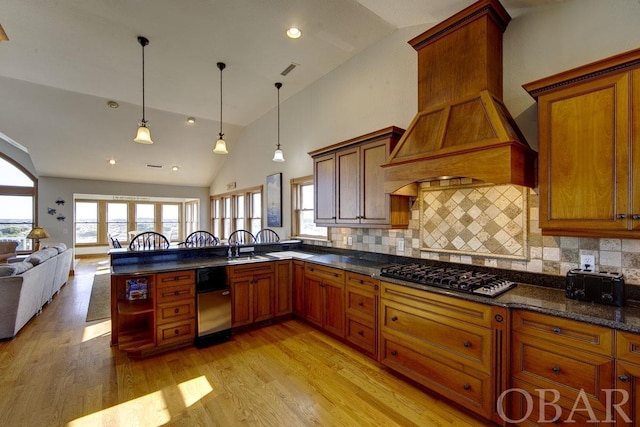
x: 298, y: 288
x: 252, y: 293
x: 284, y: 291
x: 349, y: 182
x: 589, y: 164
x: 574, y: 359
x: 628, y: 377
x: 455, y: 347
x: 361, y: 306
x: 133, y: 321
x: 175, y: 308
x: 324, y: 298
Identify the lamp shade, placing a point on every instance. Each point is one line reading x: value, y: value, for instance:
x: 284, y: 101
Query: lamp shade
x: 38, y: 233
x: 221, y: 147
x: 278, y: 156
x: 143, y: 136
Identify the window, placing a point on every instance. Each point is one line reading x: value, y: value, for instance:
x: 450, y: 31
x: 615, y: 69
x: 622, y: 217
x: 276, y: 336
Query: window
x: 18, y: 200
x: 117, y: 220
x: 86, y: 222
x: 302, y: 223
x: 171, y: 222
x: 191, y: 216
x: 145, y: 217
x: 240, y: 210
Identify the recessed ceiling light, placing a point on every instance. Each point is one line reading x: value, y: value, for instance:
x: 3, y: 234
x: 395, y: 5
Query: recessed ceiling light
x: 112, y: 161
x: 191, y: 120
x: 294, y: 33
x: 174, y: 168
x: 113, y: 104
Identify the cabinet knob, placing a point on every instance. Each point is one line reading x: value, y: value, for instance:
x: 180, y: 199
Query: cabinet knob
x: 622, y: 216
x: 394, y: 318
x: 176, y: 293
x: 467, y: 344
x: 361, y: 333
x: 556, y: 369
x: 393, y: 352
x: 376, y: 287
x: 360, y: 303
x: 556, y: 330
x: 466, y: 386
x: 636, y: 216
x: 361, y: 281
x: 623, y: 378
x: 177, y: 331
x: 176, y: 311
x: 335, y: 274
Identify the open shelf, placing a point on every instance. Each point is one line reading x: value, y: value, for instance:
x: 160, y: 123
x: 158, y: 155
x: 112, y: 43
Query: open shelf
x: 136, y: 340
x: 130, y: 308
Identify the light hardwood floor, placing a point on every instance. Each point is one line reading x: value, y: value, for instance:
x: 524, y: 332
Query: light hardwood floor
x: 61, y: 371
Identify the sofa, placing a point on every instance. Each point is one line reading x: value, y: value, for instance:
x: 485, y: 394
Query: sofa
x: 27, y: 286
x: 7, y: 249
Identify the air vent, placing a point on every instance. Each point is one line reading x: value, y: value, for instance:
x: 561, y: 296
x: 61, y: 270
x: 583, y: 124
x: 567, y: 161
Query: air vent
x: 154, y: 166
x: 289, y: 69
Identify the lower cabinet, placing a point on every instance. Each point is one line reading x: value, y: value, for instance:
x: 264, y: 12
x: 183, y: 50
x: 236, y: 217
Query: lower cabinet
x: 628, y: 378
x: 252, y: 293
x: 284, y: 291
x: 361, y: 306
x: 564, y: 366
x: 175, y: 308
x: 298, y: 288
x: 324, y: 298
x: 455, y: 347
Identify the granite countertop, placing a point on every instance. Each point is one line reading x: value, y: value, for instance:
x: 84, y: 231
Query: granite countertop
x: 526, y: 296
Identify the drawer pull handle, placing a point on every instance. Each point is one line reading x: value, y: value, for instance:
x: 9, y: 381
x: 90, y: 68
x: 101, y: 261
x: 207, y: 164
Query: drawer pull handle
x: 467, y: 344
x: 360, y: 303
x: 361, y: 281
x: 622, y: 216
x: 335, y: 274
x: 393, y: 352
x: 361, y: 333
x: 556, y: 330
x: 623, y: 378
x: 176, y: 311
x: 466, y: 386
x: 636, y: 216
x: 556, y: 369
x: 394, y: 318
x: 376, y: 287
x: 176, y: 293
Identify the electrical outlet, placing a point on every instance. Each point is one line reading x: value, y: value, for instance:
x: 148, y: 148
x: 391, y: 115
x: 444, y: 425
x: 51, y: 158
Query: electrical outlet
x: 400, y: 245
x: 588, y: 262
x: 350, y: 240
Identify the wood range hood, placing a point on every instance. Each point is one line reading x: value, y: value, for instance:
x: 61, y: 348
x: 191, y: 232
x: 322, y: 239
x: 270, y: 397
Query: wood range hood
x: 462, y: 128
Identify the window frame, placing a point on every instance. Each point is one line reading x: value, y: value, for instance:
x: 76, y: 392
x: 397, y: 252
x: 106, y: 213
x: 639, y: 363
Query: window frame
x: 219, y: 217
x: 296, y: 185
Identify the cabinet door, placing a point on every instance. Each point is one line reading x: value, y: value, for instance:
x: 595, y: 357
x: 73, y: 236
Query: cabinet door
x: 324, y: 181
x: 333, y: 308
x: 374, y: 203
x: 584, y: 156
x: 313, y: 302
x: 241, y: 301
x: 298, y: 289
x: 635, y: 142
x: 627, y: 382
x: 263, y: 297
x: 283, y: 288
x: 348, y: 183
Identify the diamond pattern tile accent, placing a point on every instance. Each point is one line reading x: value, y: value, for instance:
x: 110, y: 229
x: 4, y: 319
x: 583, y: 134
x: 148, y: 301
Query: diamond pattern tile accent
x: 479, y: 220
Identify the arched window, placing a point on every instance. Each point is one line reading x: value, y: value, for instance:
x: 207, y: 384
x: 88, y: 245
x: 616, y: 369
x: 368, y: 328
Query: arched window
x: 18, y: 190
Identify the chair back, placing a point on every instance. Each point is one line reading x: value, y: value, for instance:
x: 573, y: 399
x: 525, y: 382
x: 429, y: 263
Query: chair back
x: 115, y: 242
x: 201, y: 238
x: 241, y: 237
x: 267, y: 235
x: 149, y: 240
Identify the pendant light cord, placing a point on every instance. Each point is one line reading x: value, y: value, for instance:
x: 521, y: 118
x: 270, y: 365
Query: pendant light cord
x: 278, y: 86
x: 143, y: 119
x: 221, y: 66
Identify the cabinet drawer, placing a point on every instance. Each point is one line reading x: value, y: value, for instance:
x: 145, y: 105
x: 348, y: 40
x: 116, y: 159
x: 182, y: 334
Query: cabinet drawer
x: 180, y: 310
x: 628, y: 347
x: 322, y: 273
x: 252, y: 269
x: 551, y: 366
x: 470, y: 389
x: 363, y: 282
x: 362, y: 334
x: 464, y: 343
x: 175, y: 293
x: 175, y: 278
x: 176, y: 331
x: 579, y: 335
x: 361, y: 302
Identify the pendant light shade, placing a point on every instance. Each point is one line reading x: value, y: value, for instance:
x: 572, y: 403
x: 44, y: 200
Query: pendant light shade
x: 144, y: 135
x: 221, y: 146
x: 278, y: 156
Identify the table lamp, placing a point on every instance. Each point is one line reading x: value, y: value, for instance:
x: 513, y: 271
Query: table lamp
x: 36, y: 234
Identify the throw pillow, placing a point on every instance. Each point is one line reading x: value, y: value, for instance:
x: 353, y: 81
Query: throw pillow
x: 14, y: 268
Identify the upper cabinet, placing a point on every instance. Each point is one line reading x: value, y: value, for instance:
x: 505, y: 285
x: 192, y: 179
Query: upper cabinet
x: 349, y: 183
x: 589, y: 143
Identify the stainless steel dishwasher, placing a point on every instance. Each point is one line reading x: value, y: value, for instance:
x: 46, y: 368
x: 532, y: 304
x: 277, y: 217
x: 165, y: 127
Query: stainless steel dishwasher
x: 213, y: 305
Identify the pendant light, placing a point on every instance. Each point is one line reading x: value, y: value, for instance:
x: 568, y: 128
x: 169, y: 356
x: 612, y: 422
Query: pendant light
x: 278, y: 156
x: 143, y: 136
x: 221, y: 146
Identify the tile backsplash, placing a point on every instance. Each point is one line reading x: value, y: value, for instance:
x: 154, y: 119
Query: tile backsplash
x: 554, y: 255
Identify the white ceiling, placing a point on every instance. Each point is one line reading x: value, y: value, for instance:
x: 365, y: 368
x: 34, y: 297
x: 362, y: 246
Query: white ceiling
x: 66, y: 58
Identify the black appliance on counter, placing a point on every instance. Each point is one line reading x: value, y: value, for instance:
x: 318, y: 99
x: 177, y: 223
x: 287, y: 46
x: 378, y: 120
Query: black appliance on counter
x: 452, y: 278
x: 603, y: 287
x: 213, y: 306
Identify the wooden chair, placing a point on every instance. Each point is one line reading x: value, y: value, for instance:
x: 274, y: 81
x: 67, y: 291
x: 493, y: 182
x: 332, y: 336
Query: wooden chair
x: 149, y: 240
x: 267, y: 235
x: 115, y: 242
x: 201, y: 238
x: 241, y: 237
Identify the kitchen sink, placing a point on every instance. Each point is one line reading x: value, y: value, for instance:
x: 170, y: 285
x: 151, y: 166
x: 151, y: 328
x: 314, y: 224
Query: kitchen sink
x: 247, y: 258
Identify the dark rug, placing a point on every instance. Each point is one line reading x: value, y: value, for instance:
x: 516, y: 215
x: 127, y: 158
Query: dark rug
x: 100, y: 301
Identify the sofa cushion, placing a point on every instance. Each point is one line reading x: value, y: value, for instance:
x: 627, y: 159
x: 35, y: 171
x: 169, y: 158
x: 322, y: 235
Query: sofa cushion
x: 41, y: 256
x: 14, y: 268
